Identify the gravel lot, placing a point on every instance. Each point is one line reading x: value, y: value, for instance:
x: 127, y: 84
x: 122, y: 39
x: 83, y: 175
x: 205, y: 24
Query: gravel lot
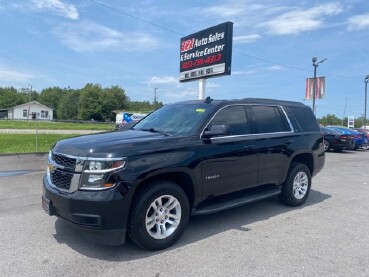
x: 328, y: 236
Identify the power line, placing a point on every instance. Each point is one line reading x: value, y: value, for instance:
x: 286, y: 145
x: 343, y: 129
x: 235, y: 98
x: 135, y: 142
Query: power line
x: 135, y: 17
x: 236, y: 52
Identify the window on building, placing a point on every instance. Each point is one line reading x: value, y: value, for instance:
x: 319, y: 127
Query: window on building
x: 24, y: 113
x: 44, y: 114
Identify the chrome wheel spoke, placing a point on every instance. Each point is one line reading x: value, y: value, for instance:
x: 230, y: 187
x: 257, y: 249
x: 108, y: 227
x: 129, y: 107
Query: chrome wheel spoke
x: 162, y: 220
x: 300, y: 185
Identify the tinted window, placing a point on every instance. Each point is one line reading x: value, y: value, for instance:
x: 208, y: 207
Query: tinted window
x: 234, y: 117
x: 268, y: 119
x: 305, y: 119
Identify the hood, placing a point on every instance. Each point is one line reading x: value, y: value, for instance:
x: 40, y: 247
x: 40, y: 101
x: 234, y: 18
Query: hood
x: 109, y: 144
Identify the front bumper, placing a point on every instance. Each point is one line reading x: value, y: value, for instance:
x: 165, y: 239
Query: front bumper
x: 103, y: 214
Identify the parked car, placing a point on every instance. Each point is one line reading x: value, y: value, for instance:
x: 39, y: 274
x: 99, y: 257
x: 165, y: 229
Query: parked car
x: 366, y: 131
x: 186, y: 158
x: 335, y: 140
x: 360, y: 138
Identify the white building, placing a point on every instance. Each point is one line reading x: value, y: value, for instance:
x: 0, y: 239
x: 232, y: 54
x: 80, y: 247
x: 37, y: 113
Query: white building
x: 34, y: 108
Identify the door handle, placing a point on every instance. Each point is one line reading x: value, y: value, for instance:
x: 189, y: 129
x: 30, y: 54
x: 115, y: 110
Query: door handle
x: 289, y: 141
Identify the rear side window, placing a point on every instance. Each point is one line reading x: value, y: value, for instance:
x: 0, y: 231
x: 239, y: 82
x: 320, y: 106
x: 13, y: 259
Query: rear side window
x: 234, y: 117
x: 268, y: 119
x: 305, y: 119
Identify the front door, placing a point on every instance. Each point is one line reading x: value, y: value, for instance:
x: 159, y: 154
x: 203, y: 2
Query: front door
x: 231, y: 163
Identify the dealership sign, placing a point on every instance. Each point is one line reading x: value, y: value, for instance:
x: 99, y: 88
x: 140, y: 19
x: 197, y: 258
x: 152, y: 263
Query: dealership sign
x: 207, y: 53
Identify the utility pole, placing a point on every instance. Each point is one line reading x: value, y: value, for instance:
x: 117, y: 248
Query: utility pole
x: 155, y: 97
x: 366, y: 80
x: 29, y: 102
x: 315, y: 64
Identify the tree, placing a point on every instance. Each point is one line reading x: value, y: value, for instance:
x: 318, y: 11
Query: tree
x: 9, y: 97
x: 330, y: 119
x: 113, y: 98
x: 51, y: 97
x: 68, y: 107
x: 89, y: 102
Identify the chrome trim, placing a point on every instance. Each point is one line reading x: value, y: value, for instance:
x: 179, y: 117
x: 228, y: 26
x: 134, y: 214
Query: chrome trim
x: 252, y: 135
x: 77, y: 174
x: 288, y: 119
x: 97, y: 189
x: 106, y: 170
x: 235, y: 136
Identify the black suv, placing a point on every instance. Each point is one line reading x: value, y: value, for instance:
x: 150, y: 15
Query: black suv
x: 187, y: 158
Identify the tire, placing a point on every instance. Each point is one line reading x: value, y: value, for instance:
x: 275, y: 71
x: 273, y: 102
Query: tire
x: 296, y: 188
x: 159, y: 215
x: 326, y: 145
x: 353, y: 145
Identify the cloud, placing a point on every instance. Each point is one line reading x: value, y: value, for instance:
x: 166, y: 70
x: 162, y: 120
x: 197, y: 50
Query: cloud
x: 246, y: 38
x: 163, y: 80
x: 358, y: 22
x: 8, y: 74
x: 58, y: 7
x: 87, y: 36
x: 300, y: 20
x: 275, y: 68
x: 243, y: 72
x: 230, y: 10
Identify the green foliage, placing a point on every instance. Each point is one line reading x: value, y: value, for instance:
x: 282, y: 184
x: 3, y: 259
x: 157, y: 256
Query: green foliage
x: 51, y: 97
x: 9, y: 97
x: 330, y: 119
x: 144, y: 106
x: 68, y: 107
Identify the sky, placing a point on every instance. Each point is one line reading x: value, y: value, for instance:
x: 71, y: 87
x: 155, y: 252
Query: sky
x: 136, y: 44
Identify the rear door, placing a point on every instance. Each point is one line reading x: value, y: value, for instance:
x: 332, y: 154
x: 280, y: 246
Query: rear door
x: 273, y: 137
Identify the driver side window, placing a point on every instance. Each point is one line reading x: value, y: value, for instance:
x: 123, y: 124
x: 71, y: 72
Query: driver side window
x: 234, y: 117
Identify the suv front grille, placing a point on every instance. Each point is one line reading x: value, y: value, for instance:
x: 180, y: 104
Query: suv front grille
x: 64, y: 161
x: 61, y: 180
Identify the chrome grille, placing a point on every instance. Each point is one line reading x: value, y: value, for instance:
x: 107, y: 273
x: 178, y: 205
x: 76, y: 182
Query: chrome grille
x: 61, y: 180
x: 64, y: 161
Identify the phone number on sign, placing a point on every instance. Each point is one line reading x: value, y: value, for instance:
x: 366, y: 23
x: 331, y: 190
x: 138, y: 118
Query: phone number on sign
x: 203, y: 61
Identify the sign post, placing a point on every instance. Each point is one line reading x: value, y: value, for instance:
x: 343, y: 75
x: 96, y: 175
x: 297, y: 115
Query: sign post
x: 206, y: 54
x: 202, y: 87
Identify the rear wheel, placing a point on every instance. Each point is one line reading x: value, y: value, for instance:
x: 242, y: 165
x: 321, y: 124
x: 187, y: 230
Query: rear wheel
x: 296, y: 188
x: 159, y: 215
x: 327, y: 146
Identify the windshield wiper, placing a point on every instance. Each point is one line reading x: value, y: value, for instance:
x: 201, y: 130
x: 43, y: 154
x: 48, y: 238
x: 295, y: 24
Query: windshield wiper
x: 153, y: 130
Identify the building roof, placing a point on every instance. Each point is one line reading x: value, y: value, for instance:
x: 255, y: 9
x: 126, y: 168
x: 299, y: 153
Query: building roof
x: 32, y: 102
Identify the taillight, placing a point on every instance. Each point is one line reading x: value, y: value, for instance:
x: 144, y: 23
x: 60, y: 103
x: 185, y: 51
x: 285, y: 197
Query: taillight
x: 356, y: 136
x: 343, y: 137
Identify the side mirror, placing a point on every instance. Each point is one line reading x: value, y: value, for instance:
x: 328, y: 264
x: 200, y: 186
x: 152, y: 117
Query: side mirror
x: 217, y: 130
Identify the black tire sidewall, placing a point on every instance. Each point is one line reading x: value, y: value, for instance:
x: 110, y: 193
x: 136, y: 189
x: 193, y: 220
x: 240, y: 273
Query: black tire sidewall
x: 287, y: 195
x: 142, y: 203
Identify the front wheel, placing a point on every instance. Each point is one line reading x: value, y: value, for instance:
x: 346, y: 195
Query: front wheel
x: 159, y: 215
x: 296, y: 188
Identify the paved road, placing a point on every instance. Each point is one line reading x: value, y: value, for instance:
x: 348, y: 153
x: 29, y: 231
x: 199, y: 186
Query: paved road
x: 328, y: 236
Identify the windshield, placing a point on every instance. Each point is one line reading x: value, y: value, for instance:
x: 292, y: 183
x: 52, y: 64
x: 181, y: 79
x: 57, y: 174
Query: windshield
x: 176, y: 119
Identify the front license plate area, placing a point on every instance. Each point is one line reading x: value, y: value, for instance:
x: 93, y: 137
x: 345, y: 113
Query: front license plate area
x: 46, y: 205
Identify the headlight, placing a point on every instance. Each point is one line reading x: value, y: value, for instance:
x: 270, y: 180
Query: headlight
x: 96, y: 172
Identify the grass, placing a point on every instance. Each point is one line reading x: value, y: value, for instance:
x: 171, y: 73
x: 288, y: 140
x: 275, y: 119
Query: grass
x: 31, y: 124
x: 21, y: 143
